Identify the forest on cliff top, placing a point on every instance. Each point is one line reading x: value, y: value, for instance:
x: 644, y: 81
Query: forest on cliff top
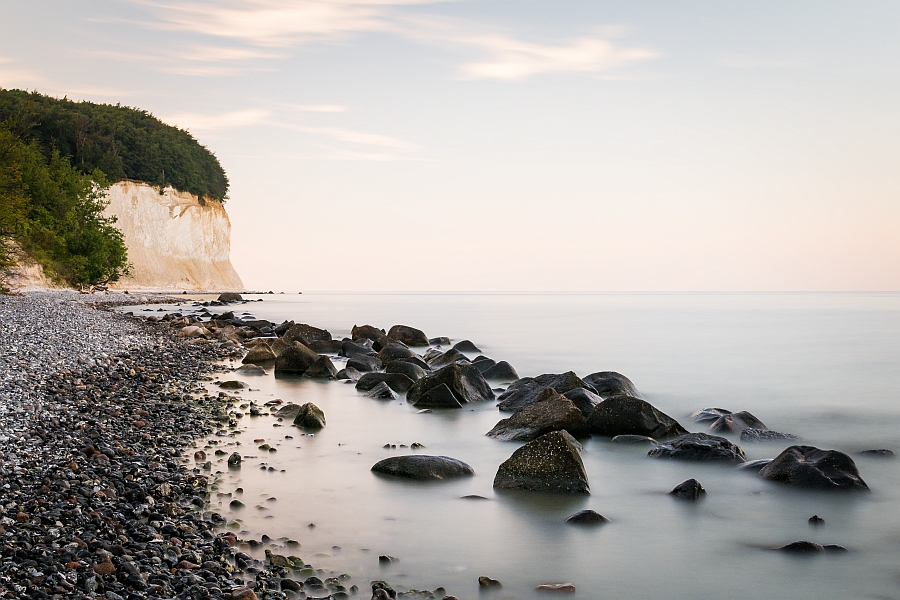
x: 57, y: 159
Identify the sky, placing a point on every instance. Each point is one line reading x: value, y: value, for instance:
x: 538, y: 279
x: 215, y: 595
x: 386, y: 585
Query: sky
x: 514, y: 145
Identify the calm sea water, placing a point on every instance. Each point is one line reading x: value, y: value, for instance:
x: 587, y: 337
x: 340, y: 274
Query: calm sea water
x: 825, y: 367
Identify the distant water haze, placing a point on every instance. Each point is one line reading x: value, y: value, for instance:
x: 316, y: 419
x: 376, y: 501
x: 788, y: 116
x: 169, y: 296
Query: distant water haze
x: 820, y: 366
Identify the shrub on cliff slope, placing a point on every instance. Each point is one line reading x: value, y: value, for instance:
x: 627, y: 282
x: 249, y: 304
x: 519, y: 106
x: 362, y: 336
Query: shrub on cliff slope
x: 122, y: 142
x: 53, y: 212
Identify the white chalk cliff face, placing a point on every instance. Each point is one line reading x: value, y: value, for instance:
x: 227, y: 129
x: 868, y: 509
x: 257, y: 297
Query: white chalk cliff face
x: 175, y: 241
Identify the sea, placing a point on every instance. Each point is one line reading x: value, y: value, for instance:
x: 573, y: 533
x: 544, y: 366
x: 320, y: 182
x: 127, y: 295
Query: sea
x: 822, y: 366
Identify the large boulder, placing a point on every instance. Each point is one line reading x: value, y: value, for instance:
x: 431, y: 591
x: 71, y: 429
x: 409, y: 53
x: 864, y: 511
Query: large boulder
x: 310, y: 416
x: 811, y: 468
x: 735, y: 423
x: 398, y: 382
x: 447, y: 358
x: 423, y: 467
x: 625, y: 415
x: 295, y: 360
x: 321, y: 369
x: 381, y: 391
x: 280, y: 330
x: 348, y: 373
x: 699, y: 447
x: 610, y: 383
x: 230, y: 297
x: 483, y: 363
x: 326, y: 346
x: 411, y: 370
x: 465, y: 346
x: 438, y: 397
x: 464, y: 381
x: 408, y: 335
x: 585, y: 400
x: 288, y: 411
x: 364, y: 363
x: 394, y: 351
x: 259, y: 354
x: 350, y: 349
x: 279, y: 345
x: 551, y: 463
x: 552, y: 412
x: 366, y: 332
x: 526, y: 391
x: 306, y: 334
x: 502, y: 371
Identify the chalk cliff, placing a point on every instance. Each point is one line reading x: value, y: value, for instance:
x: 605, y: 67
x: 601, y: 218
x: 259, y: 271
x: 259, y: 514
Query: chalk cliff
x: 175, y: 240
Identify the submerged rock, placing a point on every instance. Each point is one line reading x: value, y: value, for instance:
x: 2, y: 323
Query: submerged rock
x: 423, y: 467
x: 526, y: 391
x: 464, y: 382
x: 610, y: 383
x: 736, y: 423
x: 626, y: 415
x: 706, y: 415
x: 766, y: 435
x: 551, y: 463
x: 811, y: 468
x: 232, y: 385
x: 688, y: 490
x: 408, y: 335
x: 879, y: 453
x: 587, y: 517
x: 552, y: 412
x: 254, y: 370
x: 699, y: 447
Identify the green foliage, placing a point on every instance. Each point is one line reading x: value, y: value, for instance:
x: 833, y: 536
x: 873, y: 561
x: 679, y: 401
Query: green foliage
x: 53, y: 212
x: 122, y: 142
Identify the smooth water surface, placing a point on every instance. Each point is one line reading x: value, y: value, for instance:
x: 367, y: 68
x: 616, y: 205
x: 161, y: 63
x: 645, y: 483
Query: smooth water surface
x: 825, y: 367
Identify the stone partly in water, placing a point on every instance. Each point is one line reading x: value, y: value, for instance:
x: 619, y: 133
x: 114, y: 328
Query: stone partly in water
x: 310, y: 416
x: 464, y: 382
x: 295, y: 360
x: 587, y: 517
x: 306, y: 334
x: 321, y: 369
x: 288, y: 411
x: 381, y: 391
x: 564, y: 588
x: 626, y: 415
x: 699, y: 447
x: 422, y: 467
x: 398, y: 382
x: 551, y: 463
x: 366, y: 332
x: 766, y: 435
x: 552, y: 412
x: 394, y: 351
x: 707, y: 415
x: 688, y: 490
x: 348, y: 373
x: 440, y: 396
x: 408, y: 335
x: 585, y: 400
x: 753, y: 465
x: 501, y: 371
x: 411, y: 370
x: 364, y: 363
x: 437, y: 360
x: 526, y: 391
x: 253, y: 370
x: 735, y: 423
x: 261, y: 353
x: 633, y: 439
x: 230, y: 297
x: 878, y: 453
x: 465, y: 346
x: 486, y: 583
x: 806, y: 547
x: 232, y: 384
x: 234, y: 460
x: 808, y: 467
x: 610, y: 383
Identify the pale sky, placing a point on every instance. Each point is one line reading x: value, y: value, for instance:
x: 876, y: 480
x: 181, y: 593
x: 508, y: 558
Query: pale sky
x: 514, y: 145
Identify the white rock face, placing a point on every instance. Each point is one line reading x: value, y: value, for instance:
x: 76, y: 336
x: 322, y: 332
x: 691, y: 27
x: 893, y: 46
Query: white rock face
x: 175, y: 241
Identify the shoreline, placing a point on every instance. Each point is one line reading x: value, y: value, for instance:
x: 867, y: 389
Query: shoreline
x: 97, y: 496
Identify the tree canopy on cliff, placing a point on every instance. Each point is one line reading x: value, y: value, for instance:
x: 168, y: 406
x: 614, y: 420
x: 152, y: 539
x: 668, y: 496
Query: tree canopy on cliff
x: 121, y: 142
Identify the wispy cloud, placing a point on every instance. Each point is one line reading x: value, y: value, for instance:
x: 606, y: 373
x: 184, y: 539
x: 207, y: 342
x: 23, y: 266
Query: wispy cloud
x: 354, y: 137
x: 13, y: 77
x: 208, y: 122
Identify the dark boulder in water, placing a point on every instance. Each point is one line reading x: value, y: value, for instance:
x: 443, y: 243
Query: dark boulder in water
x: 350, y: 349
x: 526, y: 391
x: 464, y: 381
x: 259, y: 354
x: 408, y: 335
x: 411, y: 370
x: 306, y: 334
x: 439, y: 341
x: 465, y: 346
x: 585, y: 400
x: 688, y: 490
x: 449, y: 357
x: 422, y: 467
x: 348, y: 373
x: 280, y: 330
x: 766, y: 435
x: 437, y: 397
x: 310, y: 416
x: 232, y: 385
x: 230, y: 297
x: 381, y: 391
x: 802, y: 547
x: 879, y: 453
x: 394, y: 351
x: 288, y: 411
x: 483, y: 363
x: 699, y: 447
x: 552, y: 412
x: 626, y: 415
x: 321, y: 369
x: 808, y: 467
x: 364, y: 363
x: 610, y: 383
x: 736, y: 423
x: 551, y: 463
x: 398, y: 382
x: 706, y: 415
x: 367, y: 332
x: 502, y: 371
x: 416, y: 361
x: 295, y: 360
x: 250, y: 370
x: 587, y: 517
x: 326, y: 346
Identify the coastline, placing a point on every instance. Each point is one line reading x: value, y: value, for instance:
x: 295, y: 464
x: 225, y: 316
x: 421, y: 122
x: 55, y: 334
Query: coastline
x: 96, y: 497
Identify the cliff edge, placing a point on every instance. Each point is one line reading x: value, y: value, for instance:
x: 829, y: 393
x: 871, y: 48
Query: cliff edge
x: 175, y: 240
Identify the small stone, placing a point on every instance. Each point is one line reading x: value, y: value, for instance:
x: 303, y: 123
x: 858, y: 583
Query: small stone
x: 488, y: 583
x: 816, y: 520
x: 556, y: 587
x: 688, y: 490
x: 587, y: 517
